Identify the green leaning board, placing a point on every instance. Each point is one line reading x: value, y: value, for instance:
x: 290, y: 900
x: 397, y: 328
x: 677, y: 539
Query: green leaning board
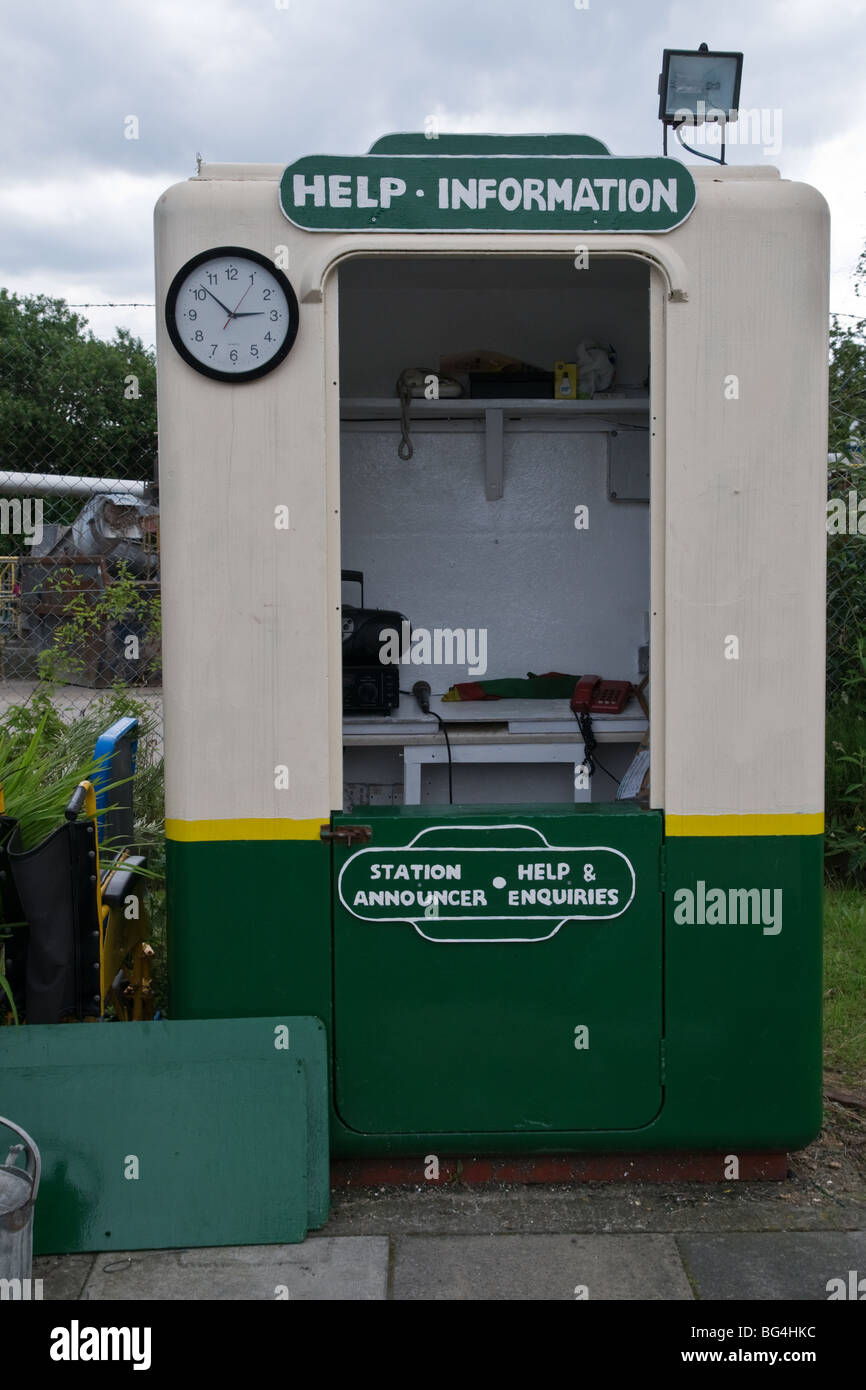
x: 224, y: 1121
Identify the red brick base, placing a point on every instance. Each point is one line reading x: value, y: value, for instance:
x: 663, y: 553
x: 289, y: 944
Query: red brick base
x: 658, y: 1167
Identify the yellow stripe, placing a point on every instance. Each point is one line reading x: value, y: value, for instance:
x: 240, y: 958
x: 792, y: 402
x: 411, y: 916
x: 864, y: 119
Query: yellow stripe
x: 194, y: 831
x: 795, y: 824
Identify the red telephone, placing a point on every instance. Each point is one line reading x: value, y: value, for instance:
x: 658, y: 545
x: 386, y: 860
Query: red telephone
x: 594, y: 695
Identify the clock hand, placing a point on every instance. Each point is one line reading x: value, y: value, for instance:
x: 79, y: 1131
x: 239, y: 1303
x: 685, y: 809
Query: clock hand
x: 249, y: 314
x: 232, y: 313
x: 213, y: 296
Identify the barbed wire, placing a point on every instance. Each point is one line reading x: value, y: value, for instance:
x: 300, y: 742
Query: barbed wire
x: 111, y: 304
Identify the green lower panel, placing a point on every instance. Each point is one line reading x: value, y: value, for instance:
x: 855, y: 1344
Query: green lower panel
x: 436, y: 1030
x: 743, y: 996
x: 249, y: 928
x: 458, y: 1047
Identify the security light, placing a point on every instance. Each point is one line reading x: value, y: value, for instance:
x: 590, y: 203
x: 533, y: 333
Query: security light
x: 697, y: 86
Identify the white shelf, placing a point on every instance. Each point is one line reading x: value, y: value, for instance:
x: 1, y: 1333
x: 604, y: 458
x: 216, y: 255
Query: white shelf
x: 376, y: 408
x: 494, y: 413
x: 477, y: 722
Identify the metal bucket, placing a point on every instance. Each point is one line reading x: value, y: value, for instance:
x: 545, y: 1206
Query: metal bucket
x: 18, y: 1189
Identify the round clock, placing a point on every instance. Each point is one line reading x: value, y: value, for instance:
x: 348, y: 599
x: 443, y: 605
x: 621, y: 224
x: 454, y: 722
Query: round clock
x: 231, y: 314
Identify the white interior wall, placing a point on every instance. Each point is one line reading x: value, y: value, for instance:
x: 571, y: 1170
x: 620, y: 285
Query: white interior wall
x: 430, y: 543
x: 409, y: 312
x: 548, y: 596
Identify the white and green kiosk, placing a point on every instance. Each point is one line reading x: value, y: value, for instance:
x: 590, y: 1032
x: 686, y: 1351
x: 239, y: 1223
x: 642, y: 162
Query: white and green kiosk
x: 510, y: 953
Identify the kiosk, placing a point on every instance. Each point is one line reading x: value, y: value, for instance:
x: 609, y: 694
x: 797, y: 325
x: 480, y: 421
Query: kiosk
x: 389, y: 369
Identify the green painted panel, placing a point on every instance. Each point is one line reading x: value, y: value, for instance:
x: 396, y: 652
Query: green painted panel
x: 741, y: 1005
x: 249, y: 928
x: 421, y: 143
x: 227, y: 1122
x: 471, y: 1024
x: 743, y: 996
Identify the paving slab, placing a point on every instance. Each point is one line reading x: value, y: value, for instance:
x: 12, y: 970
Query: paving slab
x: 589, y: 1208
x: 63, y: 1276
x: 518, y: 1267
x: 341, y: 1267
x: 793, y: 1265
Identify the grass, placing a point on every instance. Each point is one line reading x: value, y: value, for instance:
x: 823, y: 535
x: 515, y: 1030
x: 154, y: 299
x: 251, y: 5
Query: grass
x: 845, y: 983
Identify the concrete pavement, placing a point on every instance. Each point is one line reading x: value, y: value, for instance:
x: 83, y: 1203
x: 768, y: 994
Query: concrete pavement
x: 753, y: 1241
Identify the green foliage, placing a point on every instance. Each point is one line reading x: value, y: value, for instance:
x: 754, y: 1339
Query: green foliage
x: 845, y: 793
x: 20, y: 722
x: 38, y: 779
x: 845, y: 784
x: 65, y: 402
x: 43, y: 757
x: 5, y: 986
x: 847, y: 386
x: 88, y: 612
x: 846, y: 554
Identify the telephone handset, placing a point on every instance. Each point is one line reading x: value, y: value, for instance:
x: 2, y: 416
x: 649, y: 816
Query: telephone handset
x: 583, y: 693
x: 594, y: 695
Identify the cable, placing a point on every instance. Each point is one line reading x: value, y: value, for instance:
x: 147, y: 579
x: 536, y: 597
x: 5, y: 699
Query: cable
x: 111, y: 306
x: 405, y: 449
x: 584, y: 723
x: 443, y: 729
x: 590, y: 743
x: 608, y: 773
x: 699, y: 153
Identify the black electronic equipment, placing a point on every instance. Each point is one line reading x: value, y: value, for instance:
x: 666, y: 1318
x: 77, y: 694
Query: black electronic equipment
x: 371, y: 685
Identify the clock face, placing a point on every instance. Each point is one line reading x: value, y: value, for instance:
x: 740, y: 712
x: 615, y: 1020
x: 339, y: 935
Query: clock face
x: 231, y: 314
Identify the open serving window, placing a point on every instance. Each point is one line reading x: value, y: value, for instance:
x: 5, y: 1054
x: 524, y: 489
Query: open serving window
x: 500, y: 518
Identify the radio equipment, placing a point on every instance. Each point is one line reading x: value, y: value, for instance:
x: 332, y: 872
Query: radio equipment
x: 370, y: 686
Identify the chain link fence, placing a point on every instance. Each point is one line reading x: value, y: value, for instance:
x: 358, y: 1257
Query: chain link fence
x: 79, y: 518
x: 846, y: 578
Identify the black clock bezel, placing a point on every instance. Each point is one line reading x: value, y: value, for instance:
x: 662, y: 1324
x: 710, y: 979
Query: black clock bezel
x: 216, y: 373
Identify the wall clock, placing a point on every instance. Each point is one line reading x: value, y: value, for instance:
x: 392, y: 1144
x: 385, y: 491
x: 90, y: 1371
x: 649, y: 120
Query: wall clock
x: 231, y: 314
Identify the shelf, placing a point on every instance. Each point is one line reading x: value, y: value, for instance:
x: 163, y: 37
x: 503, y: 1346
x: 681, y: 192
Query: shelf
x: 494, y: 413
x: 478, y: 722
x: 376, y: 408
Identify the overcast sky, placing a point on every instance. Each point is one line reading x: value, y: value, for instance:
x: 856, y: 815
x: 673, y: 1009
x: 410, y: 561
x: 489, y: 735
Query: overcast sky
x: 271, y: 80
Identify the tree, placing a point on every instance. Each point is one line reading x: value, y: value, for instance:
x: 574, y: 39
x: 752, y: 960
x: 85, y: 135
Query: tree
x: 71, y: 402
x: 846, y: 554
x: 848, y: 376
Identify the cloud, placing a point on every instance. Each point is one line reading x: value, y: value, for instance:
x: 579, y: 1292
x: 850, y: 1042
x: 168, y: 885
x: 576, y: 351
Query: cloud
x: 829, y: 166
x: 244, y: 80
x: 85, y: 237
